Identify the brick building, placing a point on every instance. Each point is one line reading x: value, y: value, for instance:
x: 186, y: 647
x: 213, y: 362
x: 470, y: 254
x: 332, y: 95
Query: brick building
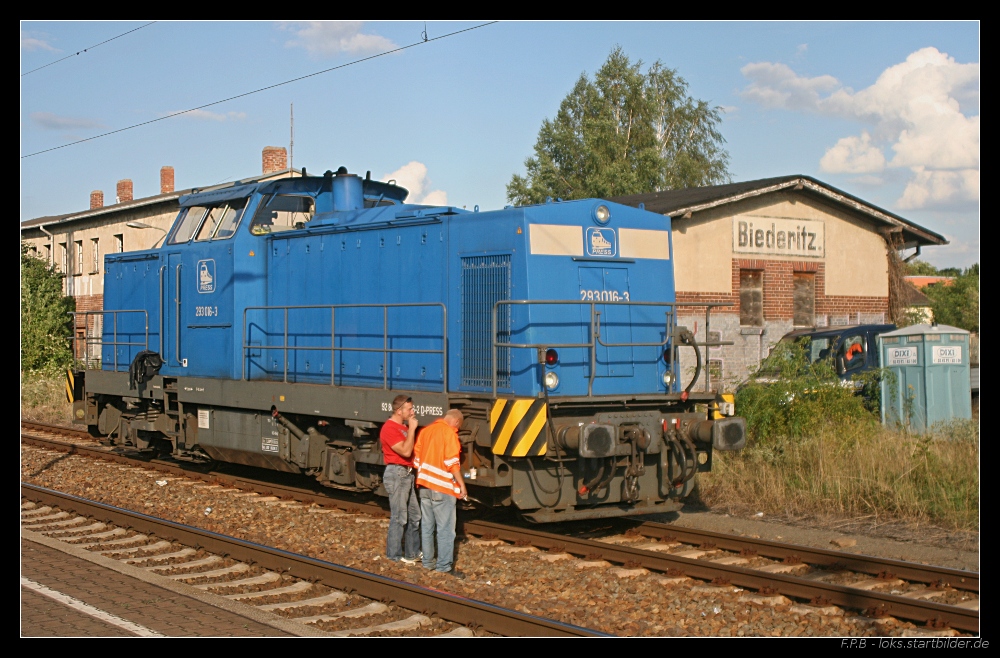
x: 76, y: 242
x: 786, y: 253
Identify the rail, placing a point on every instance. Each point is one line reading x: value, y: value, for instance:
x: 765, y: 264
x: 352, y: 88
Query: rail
x: 89, y: 340
x: 333, y: 349
x: 595, y: 332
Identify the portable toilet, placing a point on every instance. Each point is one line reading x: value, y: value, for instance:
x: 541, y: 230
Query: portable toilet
x: 930, y: 364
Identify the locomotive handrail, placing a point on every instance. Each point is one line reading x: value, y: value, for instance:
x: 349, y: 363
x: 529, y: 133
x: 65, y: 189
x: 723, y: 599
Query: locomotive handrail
x: 595, y: 329
x: 708, y: 343
x: 88, y: 340
x: 159, y: 274
x: 385, y: 349
x: 177, y: 315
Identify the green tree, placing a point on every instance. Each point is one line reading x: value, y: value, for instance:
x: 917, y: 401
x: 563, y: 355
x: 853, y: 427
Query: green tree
x: 919, y: 268
x: 624, y: 132
x: 957, y: 304
x: 46, y: 325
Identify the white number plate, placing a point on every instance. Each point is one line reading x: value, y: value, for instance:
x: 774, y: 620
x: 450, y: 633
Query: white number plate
x: 604, y: 296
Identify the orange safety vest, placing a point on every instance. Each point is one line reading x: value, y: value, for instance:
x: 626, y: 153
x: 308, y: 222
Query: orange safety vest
x: 436, y: 452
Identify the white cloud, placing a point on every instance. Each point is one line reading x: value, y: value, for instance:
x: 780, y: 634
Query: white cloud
x: 205, y: 115
x: 325, y: 38
x: 868, y: 180
x: 32, y: 42
x: 435, y: 198
x: 52, y: 121
x: 413, y: 176
x: 930, y: 189
x: 920, y: 109
x: 776, y: 85
x: 853, y: 155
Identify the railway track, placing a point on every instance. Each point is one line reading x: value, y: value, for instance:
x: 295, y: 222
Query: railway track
x: 808, y: 581
x: 335, y: 600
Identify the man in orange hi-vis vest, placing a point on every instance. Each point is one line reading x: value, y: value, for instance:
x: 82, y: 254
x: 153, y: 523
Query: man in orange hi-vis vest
x: 437, y: 456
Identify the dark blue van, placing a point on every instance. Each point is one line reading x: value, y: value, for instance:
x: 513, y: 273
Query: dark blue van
x: 852, y: 348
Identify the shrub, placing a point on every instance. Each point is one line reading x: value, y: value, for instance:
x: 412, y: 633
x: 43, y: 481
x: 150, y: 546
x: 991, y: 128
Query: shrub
x: 46, y: 323
x: 790, y: 397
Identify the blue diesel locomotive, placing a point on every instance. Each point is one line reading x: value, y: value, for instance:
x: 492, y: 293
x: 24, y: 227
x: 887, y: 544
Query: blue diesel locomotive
x: 279, y: 319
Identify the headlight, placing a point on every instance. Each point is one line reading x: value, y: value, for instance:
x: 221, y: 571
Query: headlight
x: 668, y: 378
x: 602, y: 214
x: 551, y: 380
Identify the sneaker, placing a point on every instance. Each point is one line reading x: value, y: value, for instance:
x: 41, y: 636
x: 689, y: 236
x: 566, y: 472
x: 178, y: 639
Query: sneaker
x: 455, y: 573
x: 411, y: 560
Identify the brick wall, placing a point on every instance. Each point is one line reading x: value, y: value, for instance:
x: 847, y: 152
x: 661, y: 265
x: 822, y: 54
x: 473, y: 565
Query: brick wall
x: 779, y: 289
x: 751, y: 344
x: 92, y: 328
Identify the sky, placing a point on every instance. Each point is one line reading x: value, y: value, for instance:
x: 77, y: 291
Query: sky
x: 886, y: 111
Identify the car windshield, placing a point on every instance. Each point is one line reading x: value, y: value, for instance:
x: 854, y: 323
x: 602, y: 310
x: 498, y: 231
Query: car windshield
x: 817, y: 348
x: 795, y: 356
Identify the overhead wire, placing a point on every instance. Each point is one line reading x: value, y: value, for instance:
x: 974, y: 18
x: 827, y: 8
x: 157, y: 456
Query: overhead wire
x: 80, y: 52
x: 423, y: 40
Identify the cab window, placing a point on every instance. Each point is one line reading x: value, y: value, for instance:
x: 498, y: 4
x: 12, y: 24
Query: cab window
x: 280, y: 212
x: 187, y: 224
x: 210, y: 223
x: 220, y: 222
x: 230, y: 220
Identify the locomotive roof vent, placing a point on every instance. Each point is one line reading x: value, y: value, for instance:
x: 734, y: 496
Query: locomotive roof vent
x: 348, y: 191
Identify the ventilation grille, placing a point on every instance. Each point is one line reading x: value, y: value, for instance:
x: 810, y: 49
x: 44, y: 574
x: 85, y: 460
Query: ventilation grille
x: 485, y: 281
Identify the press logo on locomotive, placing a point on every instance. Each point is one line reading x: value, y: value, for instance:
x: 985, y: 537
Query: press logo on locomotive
x: 206, y: 275
x: 601, y: 242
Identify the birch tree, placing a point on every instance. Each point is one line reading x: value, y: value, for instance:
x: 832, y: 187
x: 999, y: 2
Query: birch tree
x: 624, y: 132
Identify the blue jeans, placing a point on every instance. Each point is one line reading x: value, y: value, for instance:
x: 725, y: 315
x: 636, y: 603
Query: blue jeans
x: 404, y: 512
x: 438, y: 511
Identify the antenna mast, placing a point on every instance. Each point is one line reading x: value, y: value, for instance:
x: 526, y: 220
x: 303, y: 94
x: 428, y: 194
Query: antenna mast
x: 291, y: 137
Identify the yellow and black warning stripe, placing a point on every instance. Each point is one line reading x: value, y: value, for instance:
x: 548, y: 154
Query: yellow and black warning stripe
x: 70, y: 386
x: 517, y: 427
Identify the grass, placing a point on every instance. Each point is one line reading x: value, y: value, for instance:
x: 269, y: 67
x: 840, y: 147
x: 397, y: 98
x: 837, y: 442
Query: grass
x: 854, y: 471
x: 43, y: 397
x: 816, y: 448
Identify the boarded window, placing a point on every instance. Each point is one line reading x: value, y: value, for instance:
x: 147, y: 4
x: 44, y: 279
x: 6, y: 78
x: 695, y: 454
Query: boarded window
x: 751, y: 298
x: 805, y: 298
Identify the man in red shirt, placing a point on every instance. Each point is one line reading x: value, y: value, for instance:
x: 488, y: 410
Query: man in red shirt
x: 437, y: 456
x: 404, y: 509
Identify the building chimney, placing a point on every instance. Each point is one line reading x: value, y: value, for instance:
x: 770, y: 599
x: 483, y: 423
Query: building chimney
x: 166, y: 180
x: 274, y: 158
x: 96, y: 199
x: 124, y: 190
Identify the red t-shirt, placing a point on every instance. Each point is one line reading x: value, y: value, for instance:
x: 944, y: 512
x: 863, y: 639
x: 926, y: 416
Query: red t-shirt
x: 391, y: 434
